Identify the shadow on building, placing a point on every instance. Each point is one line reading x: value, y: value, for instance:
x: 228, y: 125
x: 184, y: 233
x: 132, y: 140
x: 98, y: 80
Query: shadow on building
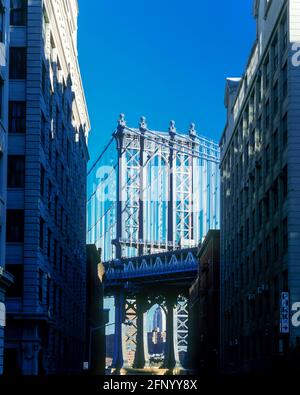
x: 96, y: 320
x: 205, y: 308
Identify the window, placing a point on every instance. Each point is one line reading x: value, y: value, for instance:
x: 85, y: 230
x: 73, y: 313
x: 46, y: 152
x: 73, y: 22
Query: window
x: 60, y: 259
x: 55, y: 253
x: 49, y: 194
x: 276, y: 244
x: 63, y: 137
x: 66, y: 268
x: 2, y: 21
x: 15, y: 290
x: 247, y: 230
x: 15, y: 226
x: 267, y: 114
x: 247, y: 269
x: 284, y: 80
x: 18, y: 12
x: 253, y: 264
x: 42, y: 181
x: 275, y: 196
x: 57, y: 164
x: 247, y: 154
x: 52, y: 47
x: 285, y: 235
x: 252, y: 142
x: 267, y: 73
x: 48, y: 292
x: 284, y: 30
x: 50, y: 149
x: 62, y: 175
x: 259, y: 175
x: 253, y: 222
x: 284, y: 131
x: 49, y: 243
x: 268, y: 249
x: 42, y: 226
x: 57, y: 128
x: 241, y: 239
x: 259, y: 131
x: 17, y: 117
x: 276, y: 292
x: 267, y: 205
x: 275, y: 52
x: 43, y: 130
x: 275, y: 98
x: 285, y: 182
x: 44, y: 74
x: 68, y: 151
x: 60, y: 303
x: 16, y: 171
x: 61, y: 218
x: 41, y: 285
x: 268, y: 159
x: 260, y: 256
x: 285, y: 281
x: 56, y: 209
x: 17, y: 63
x: 54, y: 298
x: 275, y: 145
x: 267, y: 7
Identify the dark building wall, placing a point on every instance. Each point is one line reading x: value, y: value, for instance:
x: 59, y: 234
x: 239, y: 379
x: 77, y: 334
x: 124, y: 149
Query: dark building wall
x: 46, y: 248
x: 96, y: 320
x: 6, y: 281
x: 205, y: 307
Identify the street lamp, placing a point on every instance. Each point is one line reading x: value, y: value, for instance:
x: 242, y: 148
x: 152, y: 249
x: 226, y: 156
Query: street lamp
x: 97, y: 328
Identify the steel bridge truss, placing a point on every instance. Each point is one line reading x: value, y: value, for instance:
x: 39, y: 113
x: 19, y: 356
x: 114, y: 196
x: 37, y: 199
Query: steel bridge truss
x: 144, y: 281
x: 158, y: 190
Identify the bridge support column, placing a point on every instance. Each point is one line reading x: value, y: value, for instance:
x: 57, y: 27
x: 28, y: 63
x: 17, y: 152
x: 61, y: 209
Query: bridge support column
x: 119, y: 357
x: 141, y: 359
x: 171, y: 348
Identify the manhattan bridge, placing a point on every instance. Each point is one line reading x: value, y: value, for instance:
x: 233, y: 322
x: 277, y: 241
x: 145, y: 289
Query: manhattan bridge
x: 152, y: 197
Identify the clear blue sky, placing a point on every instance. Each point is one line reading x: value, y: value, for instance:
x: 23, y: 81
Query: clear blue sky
x: 165, y: 59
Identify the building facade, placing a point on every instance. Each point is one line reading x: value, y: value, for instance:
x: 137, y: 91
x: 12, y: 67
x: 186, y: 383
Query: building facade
x: 96, y: 319
x: 47, y: 157
x: 205, y: 308
x: 260, y: 191
x: 5, y: 278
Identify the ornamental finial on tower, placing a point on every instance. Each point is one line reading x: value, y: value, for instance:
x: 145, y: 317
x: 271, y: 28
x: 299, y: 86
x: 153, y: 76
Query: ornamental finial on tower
x: 192, y: 130
x: 172, y: 128
x: 143, y: 124
x: 122, y: 121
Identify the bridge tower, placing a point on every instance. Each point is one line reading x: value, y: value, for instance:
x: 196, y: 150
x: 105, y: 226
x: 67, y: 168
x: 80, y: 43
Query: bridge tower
x: 158, y: 190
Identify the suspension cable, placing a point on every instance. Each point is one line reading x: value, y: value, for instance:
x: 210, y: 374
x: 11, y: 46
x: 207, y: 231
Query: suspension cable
x: 100, y: 156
